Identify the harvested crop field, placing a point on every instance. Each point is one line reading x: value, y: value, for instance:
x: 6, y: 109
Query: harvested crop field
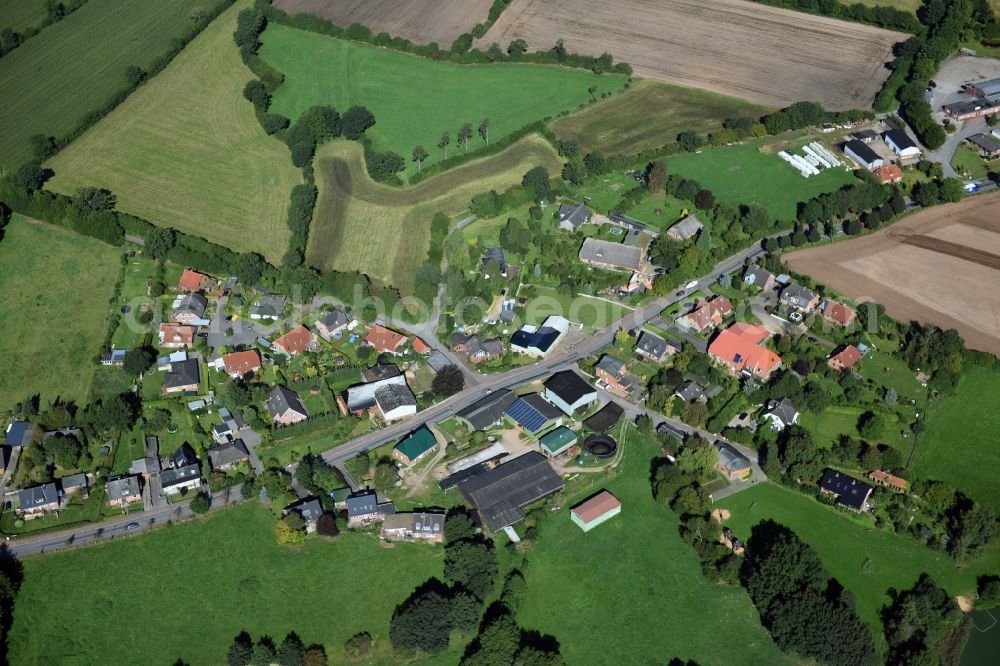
x: 384, y: 231
x: 762, y: 54
x: 420, y: 21
x: 940, y: 266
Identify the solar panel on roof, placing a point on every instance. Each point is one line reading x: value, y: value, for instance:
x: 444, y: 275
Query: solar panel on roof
x: 526, y: 415
x: 737, y: 358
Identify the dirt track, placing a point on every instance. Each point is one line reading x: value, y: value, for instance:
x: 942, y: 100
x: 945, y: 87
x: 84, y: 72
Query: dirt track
x: 420, y: 21
x: 940, y: 265
x: 763, y: 54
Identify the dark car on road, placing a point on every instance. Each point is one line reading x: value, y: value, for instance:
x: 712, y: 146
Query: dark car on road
x: 132, y: 526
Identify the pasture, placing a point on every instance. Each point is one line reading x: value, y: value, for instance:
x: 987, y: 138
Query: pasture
x: 232, y: 576
x: 918, y: 265
x: 384, y: 231
x: 20, y: 14
x: 58, y: 283
x: 762, y: 54
x: 416, y: 99
x: 75, y: 66
x: 420, y: 21
x: 631, y: 587
x: 647, y: 116
x: 186, y: 151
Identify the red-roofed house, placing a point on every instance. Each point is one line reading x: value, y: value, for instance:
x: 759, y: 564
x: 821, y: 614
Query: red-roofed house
x: 194, y: 281
x: 889, y: 174
x: 598, y: 509
x: 296, y: 341
x: 241, y: 363
x: 838, y: 313
x: 384, y: 339
x: 175, y: 336
x: 845, y: 359
x: 707, y: 314
x: 889, y: 481
x: 739, y: 348
x: 420, y: 346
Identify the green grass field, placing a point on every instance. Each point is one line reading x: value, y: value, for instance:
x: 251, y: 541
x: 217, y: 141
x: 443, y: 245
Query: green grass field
x: 743, y: 175
x: 56, y: 287
x: 20, y: 14
x: 960, y: 446
x: 83, y: 59
x: 184, y: 592
x: 648, y: 116
x: 186, y: 151
x: 969, y: 164
x: 586, y: 310
x: 384, y: 231
x: 844, y: 543
x: 827, y: 426
x: 416, y: 99
x: 632, y: 588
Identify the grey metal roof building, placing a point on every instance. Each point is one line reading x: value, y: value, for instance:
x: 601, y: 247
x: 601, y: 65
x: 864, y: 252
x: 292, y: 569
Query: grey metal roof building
x: 489, y: 410
x: 394, y: 396
x: 362, y: 396
x: 501, y: 494
x: 568, y: 386
x: 862, y: 154
x: 730, y: 458
x: 19, y: 433
x: 686, y: 228
x: 609, y: 254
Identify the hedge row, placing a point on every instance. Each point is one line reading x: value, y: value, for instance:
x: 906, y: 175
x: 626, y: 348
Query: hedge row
x: 881, y: 16
x: 10, y: 39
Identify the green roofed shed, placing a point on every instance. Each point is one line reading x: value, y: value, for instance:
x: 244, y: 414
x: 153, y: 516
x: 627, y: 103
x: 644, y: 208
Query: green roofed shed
x: 555, y: 442
x: 415, y: 446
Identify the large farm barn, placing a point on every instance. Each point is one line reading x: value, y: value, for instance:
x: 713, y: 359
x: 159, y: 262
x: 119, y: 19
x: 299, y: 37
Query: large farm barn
x: 762, y: 54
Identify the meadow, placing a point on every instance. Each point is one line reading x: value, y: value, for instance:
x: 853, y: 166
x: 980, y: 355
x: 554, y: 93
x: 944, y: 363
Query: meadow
x: 416, y: 99
x: 56, y: 287
x: 960, y: 445
x: 632, y: 588
x: 845, y: 543
x: 649, y: 115
x: 184, y: 592
x: 385, y: 231
x: 186, y: 151
x: 20, y: 14
x: 81, y: 58
x: 592, y: 312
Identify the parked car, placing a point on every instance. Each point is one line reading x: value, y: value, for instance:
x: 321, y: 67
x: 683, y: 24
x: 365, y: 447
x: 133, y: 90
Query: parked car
x: 132, y: 526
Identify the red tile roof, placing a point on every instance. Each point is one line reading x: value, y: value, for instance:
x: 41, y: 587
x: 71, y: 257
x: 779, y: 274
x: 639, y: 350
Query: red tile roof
x: 709, y: 313
x: 739, y: 348
x: 296, y: 340
x: 839, y: 313
x: 241, y: 362
x: 845, y: 359
x: 596, y: 506
x: 888, y: 479
x: 889, y: 173
x: 420, y: 346
x: 384, y: 339
x: 177, y: 334
x: 193, y: 280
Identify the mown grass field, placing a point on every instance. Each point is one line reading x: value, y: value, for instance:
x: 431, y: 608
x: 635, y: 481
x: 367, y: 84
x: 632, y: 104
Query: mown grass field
x: 960, y: 446
x: 648, y: 116
x: 415, y: 99
x: 56, y: 286
x: 186, y: 151
x: 587, y: 310
x: 845, y: 543
x: 20, y: 14
x: 54, y: 79
x: 184, y: 592
x: 743, y: 175
x: 836, y: 420
x: 631, y: 590
x: 384, y: 231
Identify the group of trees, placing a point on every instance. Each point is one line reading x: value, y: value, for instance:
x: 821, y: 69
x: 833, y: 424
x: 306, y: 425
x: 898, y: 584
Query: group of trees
x: 924, y: 625
x: 880, y: 15
x: 292, y: 652
x: 300, y: 212
x: 449, y: 380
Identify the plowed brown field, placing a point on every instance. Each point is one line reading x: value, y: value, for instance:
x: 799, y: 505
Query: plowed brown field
x: 763, y: 54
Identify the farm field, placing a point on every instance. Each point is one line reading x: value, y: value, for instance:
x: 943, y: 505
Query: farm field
x: 737, y: 175
x: 647, y: 116
x: 351, y: 206
x: 416, y: 99
x: 960, y: 446
x: 912, y: 270
x: 81, y: 58
x: 186, y: 151
x: 59, y: 284
x: 667, y: 601
x: 420, y: 21
x: 235, y: 577
x: 20, y: 14
x: 845, y: 543
x: 765, y: 55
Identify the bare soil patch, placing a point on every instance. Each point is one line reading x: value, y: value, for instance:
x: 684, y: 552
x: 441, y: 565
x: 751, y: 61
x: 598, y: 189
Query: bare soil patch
x: 420, y: 21
x: 762, y: 54
x: 920, y: 276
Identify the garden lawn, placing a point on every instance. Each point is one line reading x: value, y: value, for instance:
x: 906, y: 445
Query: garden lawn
x: 743, y: 175
x: 234, y: 577
x: 892, y: 372
x: 186, y: 151
x: 844, y: 542
x: 631, y: 587
x: 74, y: 67
x: 587, y: 310
x: 834, y: 421
x: 56, y: 286
x: 969, y: 164
x: 415, y: 99
x: 960, y: 446
x: 20, y: 14
x: 134, y: 294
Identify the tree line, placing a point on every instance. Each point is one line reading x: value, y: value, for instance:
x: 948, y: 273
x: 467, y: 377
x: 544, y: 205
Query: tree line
x: 55, y: 11
x: 880, y: 15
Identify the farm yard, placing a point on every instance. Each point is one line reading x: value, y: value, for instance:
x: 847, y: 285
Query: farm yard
x: 416, y: 99
x: 919, y: 266
x: 765, y: 55
x: 63, y: 63
x: 352, y: 207
x: 58, y: 283
x: 647, y: 116
x: 420, y: 21
x: 186, y: 151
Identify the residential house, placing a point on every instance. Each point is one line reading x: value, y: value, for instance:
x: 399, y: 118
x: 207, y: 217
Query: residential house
x: 495, y: 254
x: 690, y: 392
x: 686, y: 228
x: 124, y: 491
x: 385, y: 340
x: 37, y: 501
x: 988, y: 146
x: 740, y: 349
x: 888, y: 174
x: 182, y: 456
x: 572, y: 217
x: 500, y: 494
x: 476, y: 349
x: 846, y: 490
x: 268, y: 306
x: 21, y: 433
x: 555, y: 442
x: 299, y: 339
x: 363, y: 398
x: 332, y: 323
x: 707, y: 314
x: 901, y: 144
x: 395, y: 401
x: 193, y: 281
x: 864, y: 156
x: 731, y: 463
x: 487, y: 412
x: 845, y: 358
x: 226, y: 456
x: 74, y: 484
x: 534, y: 413
x: 363, y: 509
x: 799, y: 297
x: 190, y: 308
x: 755, y: 276
x: 180, y: 479
x: 163, y: 363
x: 889, y: 481
x: 613, y: 373
x: 539, y: 341
x: 611, y: 255
x: 175, y: 336
x: 569, y: 391
x: 781, y: 413
x: 653, y: 347
x: 310, y: 509
x: 420, y: 526
x: 380, y: 371
x: 600, y: 508
x: 838, y: 313
x: 419, y: 346
x: 182, y: 376
x: 231, y: 426
x: 414, y: 447
x: 285, y: 407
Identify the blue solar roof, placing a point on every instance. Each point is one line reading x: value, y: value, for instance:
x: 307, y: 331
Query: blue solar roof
x: 521, y: 339
x: 526, y: 416
x: 541, y: 339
